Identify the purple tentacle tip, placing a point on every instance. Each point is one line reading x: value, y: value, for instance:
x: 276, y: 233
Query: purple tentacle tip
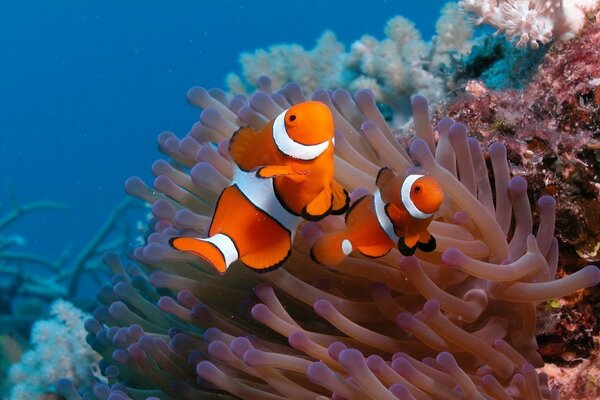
x: 453, y: 257
x: 419, y: 149
x: 318, y: 372
x: 154, y: 252
x: 298, y: 340
x: 210, y: 117
x: 444, y: 125
x: 166, y: 303
x: 431, y: 308
x: 324, y: 308
x: 255, y: 358
x: 375, y: 363
x: 517, y: 185
x: 101, y: 391
x: 401, y: 392
x: 592, y: 273
x: 207, y: 370
x: 497, y: 149
x: 351, y: 358
x: 364, y: 96
x: 369, y: 126
x: 260, y: 312
x: 446, y: 360
x: 546, y: 202
x: 457, y: 131
x: 120, y: 355
x: 111, y: 372
x: 240, y: 345
x: 218, y: 349
x: 124, y: 290
x: 117, y: 309
x: 264, y: 291
x: 136, y: 352
x: 419, y: 103
x: 146, y: 342
x: 335, y: 349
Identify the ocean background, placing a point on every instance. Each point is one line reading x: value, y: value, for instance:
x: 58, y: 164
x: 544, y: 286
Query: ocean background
x: 86, y: 87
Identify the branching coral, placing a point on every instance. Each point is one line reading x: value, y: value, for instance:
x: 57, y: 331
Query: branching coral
x: 394, y: 68
x: 456, y: 323
x: 531, y: 22
x: 22, y: 278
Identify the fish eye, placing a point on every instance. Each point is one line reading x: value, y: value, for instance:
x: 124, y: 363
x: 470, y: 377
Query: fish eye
x: 292, y: 118
x: 417, y: 189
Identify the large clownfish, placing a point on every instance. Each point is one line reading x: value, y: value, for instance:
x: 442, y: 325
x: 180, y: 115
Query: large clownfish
x: 281, y: 174
x: 399, y: 212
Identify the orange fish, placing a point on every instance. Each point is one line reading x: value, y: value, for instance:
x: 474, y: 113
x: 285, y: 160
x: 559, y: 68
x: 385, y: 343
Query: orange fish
x: 399, y: 212
x: 281, y: 174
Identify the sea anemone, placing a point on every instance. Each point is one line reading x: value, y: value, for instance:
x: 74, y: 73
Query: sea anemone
x: 456, y: 323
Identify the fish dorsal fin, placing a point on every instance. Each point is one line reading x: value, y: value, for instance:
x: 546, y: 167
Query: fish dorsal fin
x: 384, y: 176
x: 240, y: 144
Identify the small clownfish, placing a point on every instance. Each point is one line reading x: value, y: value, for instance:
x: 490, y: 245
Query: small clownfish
x: 399, y: 212
x: 281, y: 174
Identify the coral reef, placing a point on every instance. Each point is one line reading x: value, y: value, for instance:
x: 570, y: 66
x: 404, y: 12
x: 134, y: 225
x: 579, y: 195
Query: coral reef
x: 552, y: 133
x: 394, y: 68
x: 14, y: 278
x: 456, y: 323
x: 59, y: 350
x: 531, y: 22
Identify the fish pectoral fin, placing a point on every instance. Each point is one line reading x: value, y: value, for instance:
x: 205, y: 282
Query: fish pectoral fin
x: 427, y: 246
x: 375, y: 250
x: 341, y: 199
x: 272, y: 171
x: 240, y: 144
x: 319, y: 207
x: 393, y: 212
x: 203, y: 249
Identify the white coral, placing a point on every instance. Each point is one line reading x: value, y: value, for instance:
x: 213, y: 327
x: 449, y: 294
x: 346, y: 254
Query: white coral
x: 531, y: 22
x: 59, y: 350
x: 394, y: 68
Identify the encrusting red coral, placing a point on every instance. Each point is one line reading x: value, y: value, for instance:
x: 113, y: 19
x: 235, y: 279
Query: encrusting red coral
x: 551, y: 130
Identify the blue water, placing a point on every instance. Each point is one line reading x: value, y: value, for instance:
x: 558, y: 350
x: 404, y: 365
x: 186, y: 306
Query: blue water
x: 86, y: 86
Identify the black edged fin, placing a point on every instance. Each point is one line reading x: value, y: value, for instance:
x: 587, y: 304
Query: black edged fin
x: 429, y: 246
x: 271, y: 267
x: 352, y: 207
x: 384, y: 175
x: 404, y: 249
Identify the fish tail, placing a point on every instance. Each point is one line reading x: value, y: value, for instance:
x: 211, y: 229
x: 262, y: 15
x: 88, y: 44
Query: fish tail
x: 331, y: 248
x: 219, y: 250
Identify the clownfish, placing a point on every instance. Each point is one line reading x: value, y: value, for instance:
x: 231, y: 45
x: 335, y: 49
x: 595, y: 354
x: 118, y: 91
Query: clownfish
x: 399, y: 212
x: 281, y: 174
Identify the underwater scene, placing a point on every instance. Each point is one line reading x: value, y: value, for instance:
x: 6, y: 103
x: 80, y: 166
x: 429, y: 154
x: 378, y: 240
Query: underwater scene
x: 270, y: 200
